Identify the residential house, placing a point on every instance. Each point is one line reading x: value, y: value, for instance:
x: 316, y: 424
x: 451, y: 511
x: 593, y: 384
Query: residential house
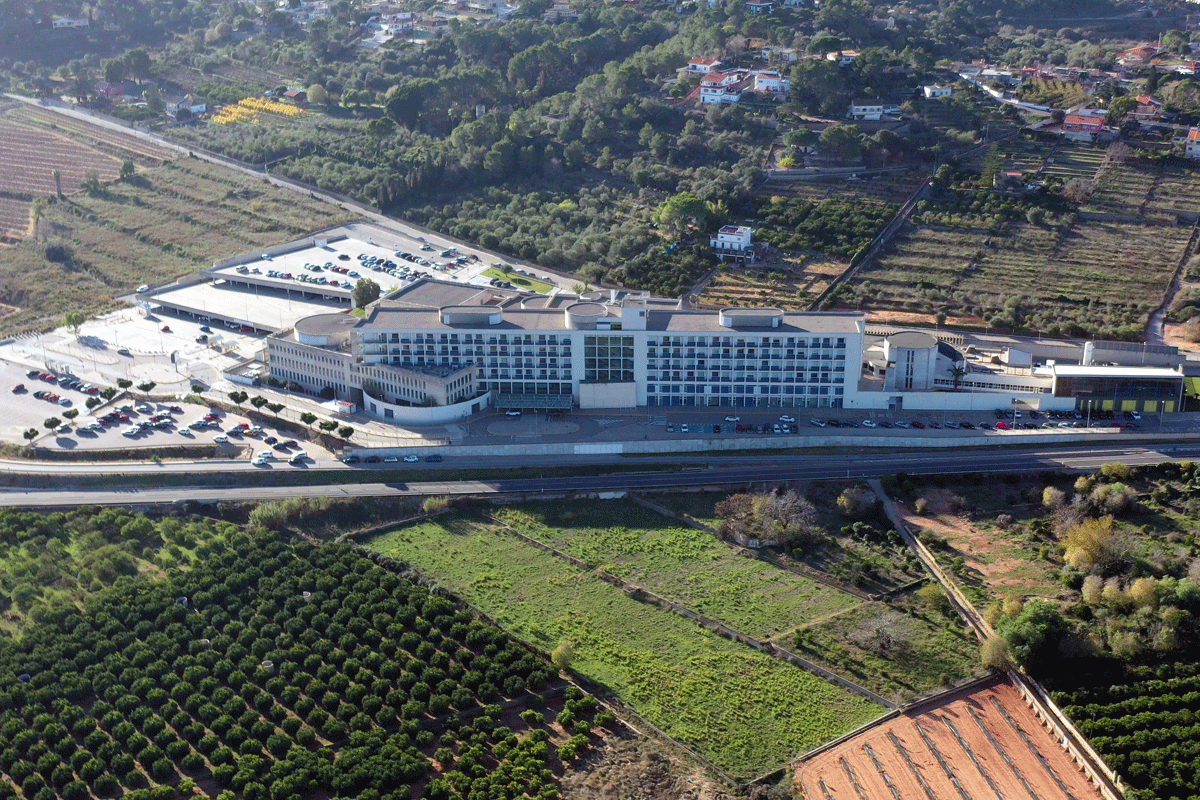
x: 934, y: 91
x: 760, y: 6
x: 176, y: 105
x: 1140, y: 54
x: 1149, y: 109
x: 561, y: 12
x: 780, y: 55
x: 70, y: 22
x: 888, y: 23
x: 865, y: 110
x: 701, y: 66
x: 770, y: 81
x: 297, y: 96
x: 1191, y: 147
x: 733, y: 242
x: 1082, y: 127
x: 723, y: 87
x: 844, y: 58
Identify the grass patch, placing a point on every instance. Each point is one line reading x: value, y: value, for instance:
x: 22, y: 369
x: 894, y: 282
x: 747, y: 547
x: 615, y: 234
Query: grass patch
x: 893, y: 649
x: 745, y: 711
x: 681, y: 563
x: 531, y: 284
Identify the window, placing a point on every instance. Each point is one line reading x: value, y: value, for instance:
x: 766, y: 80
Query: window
x: 608, y: 358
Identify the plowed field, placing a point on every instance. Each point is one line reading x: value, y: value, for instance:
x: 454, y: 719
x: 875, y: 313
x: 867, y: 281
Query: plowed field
x: 979, y: 744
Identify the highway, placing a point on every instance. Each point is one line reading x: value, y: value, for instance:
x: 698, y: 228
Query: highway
x: 696, y: 471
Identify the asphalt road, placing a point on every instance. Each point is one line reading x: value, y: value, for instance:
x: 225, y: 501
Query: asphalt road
x: 697, y: 471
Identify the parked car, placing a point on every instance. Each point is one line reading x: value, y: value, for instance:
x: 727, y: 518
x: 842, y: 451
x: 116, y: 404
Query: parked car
x: 20, y: 387
x: 411, y: 459
x: 732, y: 418
x: 870, y: 423
x: 512, y: 412
x: 786, y: 418
x: 433, y: 458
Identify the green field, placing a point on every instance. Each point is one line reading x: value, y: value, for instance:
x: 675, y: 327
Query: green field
x: 745, y: 711
x: 895, y: 649
x: 680, y: 563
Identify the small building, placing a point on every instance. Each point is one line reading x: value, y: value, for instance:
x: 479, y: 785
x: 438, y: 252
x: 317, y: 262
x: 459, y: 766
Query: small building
x: 1082, y: 127
x: 1120, y: 388
x: 187, y: 104
x: 770, y: 81
x: 561, y: 12
x: 297, y: 96
x: 1191, y: 146
x: 701, y: 66
x: 934, y: 91
x: 844, y: 58
x: 780, y: 55
x: 1149, y: 109
x: 865, y: 110
x: 733, y: 242
x: 760, y: 6
x: 70, y: 22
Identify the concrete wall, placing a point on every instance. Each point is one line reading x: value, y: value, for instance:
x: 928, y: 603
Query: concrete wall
x: 958, y: 401
x: 608, y: 395
x: 934, y: 441
x: 424, y: 415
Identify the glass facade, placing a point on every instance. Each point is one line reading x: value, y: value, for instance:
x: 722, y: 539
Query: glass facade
x: 608, y: 359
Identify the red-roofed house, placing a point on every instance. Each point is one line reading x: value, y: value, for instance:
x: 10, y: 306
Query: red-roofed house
x: 1191, y: 147
x: 702, y: 66
x: 1081, y: 127
x: 1148, y: 108
x: 723, y: 87
x: 844, y: 58
x: 1140, y: 54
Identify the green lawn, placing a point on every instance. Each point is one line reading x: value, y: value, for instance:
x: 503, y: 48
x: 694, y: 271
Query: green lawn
x: 682, y: 563
x: 521, y: 281
x: 746, y: 711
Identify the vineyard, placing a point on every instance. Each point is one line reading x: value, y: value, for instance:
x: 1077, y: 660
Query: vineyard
x: 275, y: 670
x: 1145, y: 721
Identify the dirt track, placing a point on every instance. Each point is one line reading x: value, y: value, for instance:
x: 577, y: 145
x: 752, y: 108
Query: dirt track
x: 964, y: 748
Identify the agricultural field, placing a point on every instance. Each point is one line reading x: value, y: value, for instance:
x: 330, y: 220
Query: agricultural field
x: 789, y: 281
x: 1144, y: 721
x: 684, y: 564
x: 277, y: 669
x: 32, y: 146
x: 899, y: 649
x: 165, y: 222
x: 979, y: 742
x: 742, y: 709
x: 892, y: 187
x: 1054, y: 279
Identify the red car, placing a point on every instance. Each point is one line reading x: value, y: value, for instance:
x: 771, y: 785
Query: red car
x: 123, y: 417
x: 918, y: 425
x: 1003, y: 426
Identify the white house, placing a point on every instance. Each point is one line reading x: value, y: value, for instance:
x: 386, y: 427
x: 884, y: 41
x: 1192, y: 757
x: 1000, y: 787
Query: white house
x: 70, y: 22
x: 770, y: 81
x: 865, y: 109
x: 723, y: 87
x: 733, y: 241
x: 781, y: 55
x: 701, y: 66
x: 933, y: 91
x: 844, y: 58
x: 1191, y: 147
x: 187, y: 103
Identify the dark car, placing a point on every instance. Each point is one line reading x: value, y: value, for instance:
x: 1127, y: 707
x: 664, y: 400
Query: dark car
x: 373, y: 459
x: 350, y: 460
x: 20, y: 387
x: 290, y: 443
x: 273, y: 440
x: 434, y: 458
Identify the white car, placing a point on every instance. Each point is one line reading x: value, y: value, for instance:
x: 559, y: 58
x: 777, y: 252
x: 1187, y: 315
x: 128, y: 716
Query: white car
x: 261, y: 462
x: 512, y: 412
x: 902, y: 424
x: 411, y: 459
x: 221, y: 439
x: 820, y: 423
x: 131, y: 432
x: 390, y: 459
x: 732, y: 418
x: 1137, y: 415
x: 870, y: 423
x: 786, y: 418
x: 265, y: 454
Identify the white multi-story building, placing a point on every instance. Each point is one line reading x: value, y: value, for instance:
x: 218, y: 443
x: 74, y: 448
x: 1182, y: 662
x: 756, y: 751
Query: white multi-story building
x: 865, y: 110
x: 772, y: 82
x: 407, y: 362
x: 733, y: 241
x: 723, y: 87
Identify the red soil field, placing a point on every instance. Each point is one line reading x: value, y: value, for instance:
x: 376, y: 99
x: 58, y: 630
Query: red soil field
x: 983, y: 743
